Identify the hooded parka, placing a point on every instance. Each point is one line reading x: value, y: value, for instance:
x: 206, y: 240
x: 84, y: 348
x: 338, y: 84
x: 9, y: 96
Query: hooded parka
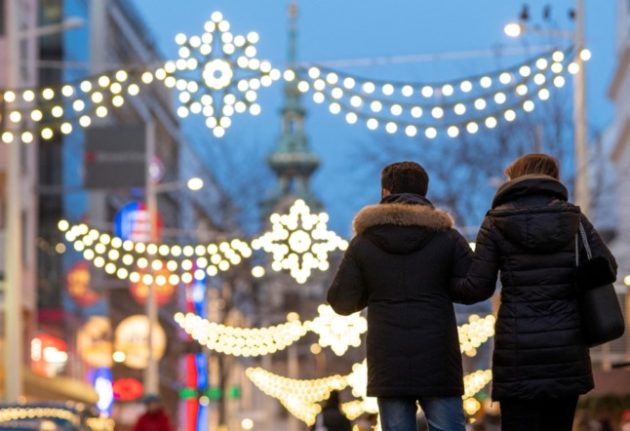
x: 529, y: 237
x: 400, y: 264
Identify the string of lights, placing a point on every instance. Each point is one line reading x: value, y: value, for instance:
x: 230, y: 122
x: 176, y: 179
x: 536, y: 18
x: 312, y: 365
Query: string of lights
x: 60, y: 109
x: 153, y: 263
x: 335, y: 331
x: 301, y: 396
x: 414, y: 107
x: 298, y: 241
x: 217, y: 74
x: 21, y: 413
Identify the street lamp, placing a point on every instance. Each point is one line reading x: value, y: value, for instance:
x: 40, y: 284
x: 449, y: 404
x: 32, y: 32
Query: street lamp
x: 151, y: 376
x: 194, y: 184
x: 577, y: 68
x: 513, y: 29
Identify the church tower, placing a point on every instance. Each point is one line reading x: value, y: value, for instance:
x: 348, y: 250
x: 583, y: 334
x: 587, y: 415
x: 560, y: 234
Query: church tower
x: 292, y: 161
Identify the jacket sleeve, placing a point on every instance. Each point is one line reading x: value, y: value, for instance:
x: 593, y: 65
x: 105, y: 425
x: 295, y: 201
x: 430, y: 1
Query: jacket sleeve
x: 348, y: 293
x: 462, y: 259
x: 598, y: 247
x: 481, y: 280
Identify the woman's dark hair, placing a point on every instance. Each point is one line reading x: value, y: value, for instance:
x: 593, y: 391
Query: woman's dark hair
x: 533, y: 164
x: 405, y: 177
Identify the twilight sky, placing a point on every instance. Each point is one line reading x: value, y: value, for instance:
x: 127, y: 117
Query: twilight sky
x: 348, y: 29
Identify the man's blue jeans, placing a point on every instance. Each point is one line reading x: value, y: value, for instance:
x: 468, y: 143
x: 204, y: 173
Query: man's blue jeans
x: 443, y: 414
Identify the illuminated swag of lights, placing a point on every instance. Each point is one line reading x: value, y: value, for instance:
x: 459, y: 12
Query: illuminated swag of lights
x: 301, y: 396
x: 299, y: 242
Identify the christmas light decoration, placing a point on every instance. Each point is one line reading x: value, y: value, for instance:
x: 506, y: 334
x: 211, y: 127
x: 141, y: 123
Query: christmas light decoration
x: 246, y: 342
x: 8, y: 414
x: 146, y: 262
x: 413, y: 107
x: 299, y: 241
x: 217, y: 74
x: 60, y: 109
x: 336, y: 331
x: 251, y: 342
x: 474, y: 333
x: 300, y: 396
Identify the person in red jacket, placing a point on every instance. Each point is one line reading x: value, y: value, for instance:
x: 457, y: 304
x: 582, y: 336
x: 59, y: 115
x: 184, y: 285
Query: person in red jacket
x: 154, y: 418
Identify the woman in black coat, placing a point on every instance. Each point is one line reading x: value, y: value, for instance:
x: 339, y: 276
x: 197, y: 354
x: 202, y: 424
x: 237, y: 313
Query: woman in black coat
x: 541, y: 363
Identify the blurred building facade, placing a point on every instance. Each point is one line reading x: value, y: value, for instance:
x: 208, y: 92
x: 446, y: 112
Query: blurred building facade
x: 619, y: 93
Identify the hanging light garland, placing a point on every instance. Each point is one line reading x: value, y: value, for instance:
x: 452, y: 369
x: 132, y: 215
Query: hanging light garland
x: 58, y: 110
x: 217, y: 74
x: 335, y: 331
x: 299, y: 241
x: 301, y: 396
x: 19, y: 413
x: 453, y: 107
x: 153, y: 263
x: 245, y: 342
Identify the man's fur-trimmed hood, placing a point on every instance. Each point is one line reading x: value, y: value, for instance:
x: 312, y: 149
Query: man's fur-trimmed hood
x: 399, y: 214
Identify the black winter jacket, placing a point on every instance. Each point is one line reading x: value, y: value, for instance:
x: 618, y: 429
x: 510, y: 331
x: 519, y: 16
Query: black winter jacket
x: 399, y: 265
x: 529, y: 236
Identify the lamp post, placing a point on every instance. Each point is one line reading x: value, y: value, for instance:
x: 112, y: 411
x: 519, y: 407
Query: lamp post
x: 517, y: 29
x: 152, y: 375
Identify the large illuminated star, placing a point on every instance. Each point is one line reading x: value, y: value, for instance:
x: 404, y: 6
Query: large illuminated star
x: 217, y: 74
x: 338, y: 332
x: 299, y: 241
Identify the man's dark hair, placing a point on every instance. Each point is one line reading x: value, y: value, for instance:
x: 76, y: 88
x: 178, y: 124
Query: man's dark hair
x: 405, y: 177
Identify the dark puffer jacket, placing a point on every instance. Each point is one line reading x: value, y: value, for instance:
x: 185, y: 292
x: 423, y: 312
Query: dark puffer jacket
x: 529, y: 236
x: 399, y: 264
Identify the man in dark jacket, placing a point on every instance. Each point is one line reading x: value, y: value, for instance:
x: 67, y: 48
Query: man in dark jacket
x: 331, y: 418
x: 541, y: 363
x: 399, y: 265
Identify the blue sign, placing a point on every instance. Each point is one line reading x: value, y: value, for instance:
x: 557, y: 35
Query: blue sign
x: 102, y: 381
x: 132, y: 222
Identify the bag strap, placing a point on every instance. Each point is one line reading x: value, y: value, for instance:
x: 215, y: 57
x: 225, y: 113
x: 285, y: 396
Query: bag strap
x: 577, y: 250
x: 587, y: 247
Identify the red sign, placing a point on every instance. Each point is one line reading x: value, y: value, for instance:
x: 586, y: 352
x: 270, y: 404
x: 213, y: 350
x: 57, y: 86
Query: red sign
x: 163, y: 292
x: 49, y: 355
x: 127, y: 389
x: 78, y: 285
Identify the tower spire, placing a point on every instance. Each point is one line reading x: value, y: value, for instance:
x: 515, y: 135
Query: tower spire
x: 292, y: 161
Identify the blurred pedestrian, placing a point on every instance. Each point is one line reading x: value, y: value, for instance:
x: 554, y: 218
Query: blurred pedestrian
x: 541, y: 363
x: 155, y: 417
x: 399, y: 265
x: 332, y: 418
x: 625, y: 421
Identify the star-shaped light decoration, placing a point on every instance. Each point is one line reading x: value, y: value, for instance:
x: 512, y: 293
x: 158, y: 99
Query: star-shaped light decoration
x: 338, y: 332
x: 217, y: 74
x: 299, y: 241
